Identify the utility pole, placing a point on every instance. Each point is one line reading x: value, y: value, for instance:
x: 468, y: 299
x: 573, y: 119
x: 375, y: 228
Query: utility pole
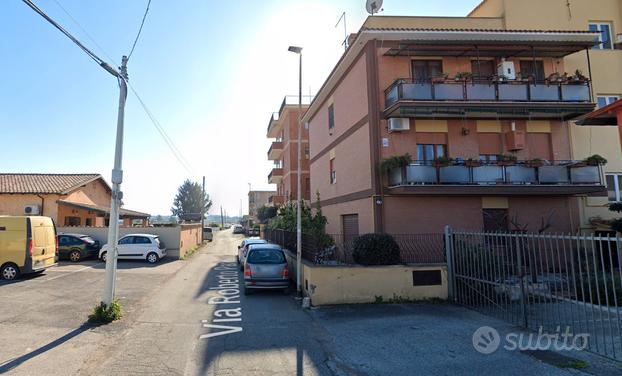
x: 117, y: 195
x: 203, y: 214
x: 222, y: 219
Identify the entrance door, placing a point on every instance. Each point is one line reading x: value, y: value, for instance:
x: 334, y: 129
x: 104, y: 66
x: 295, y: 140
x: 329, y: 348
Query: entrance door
x: 350, y: 226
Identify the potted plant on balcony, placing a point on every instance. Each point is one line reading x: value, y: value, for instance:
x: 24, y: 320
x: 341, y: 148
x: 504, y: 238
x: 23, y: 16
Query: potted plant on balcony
x: 535, y: 162
x: 463, y: 76
x: 507, y: 160
x: 577, y: 78
x: 440, y: 78
x: 595, y: 160
x: 396, y: 161
x: 472, y: 162
x: 442, y: 162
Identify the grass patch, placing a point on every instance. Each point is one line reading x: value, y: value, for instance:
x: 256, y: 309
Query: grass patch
x: 574, y: 363
x: 397, y: 299
x: 105, y: 315
x: 190, y: 252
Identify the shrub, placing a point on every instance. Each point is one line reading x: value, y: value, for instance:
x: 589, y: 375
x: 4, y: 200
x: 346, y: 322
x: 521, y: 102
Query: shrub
x: 376, y: 249
x: 395, y: 161
x: 105, y: 315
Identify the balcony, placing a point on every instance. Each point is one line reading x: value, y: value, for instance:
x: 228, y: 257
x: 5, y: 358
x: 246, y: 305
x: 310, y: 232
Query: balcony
x: 275, y: 124
x: 488, y: 99
x: 275, y: 151
x: 275, y: 176
x: 559, y: 178
x: 276, y: 200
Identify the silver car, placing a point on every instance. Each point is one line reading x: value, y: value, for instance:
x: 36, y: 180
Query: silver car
x: 265, y: 268
x: 243, y: 248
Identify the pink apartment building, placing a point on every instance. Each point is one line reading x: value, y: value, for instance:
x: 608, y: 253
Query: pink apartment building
x: 283, y: 127
x: 459, y: 88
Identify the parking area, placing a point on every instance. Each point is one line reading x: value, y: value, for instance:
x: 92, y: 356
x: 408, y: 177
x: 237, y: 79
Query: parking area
x: 41, y: 312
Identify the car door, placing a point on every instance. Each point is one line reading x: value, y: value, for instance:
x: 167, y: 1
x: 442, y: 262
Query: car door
x: 125, y: 246
x: 63, y: 246
x: 142, y: 246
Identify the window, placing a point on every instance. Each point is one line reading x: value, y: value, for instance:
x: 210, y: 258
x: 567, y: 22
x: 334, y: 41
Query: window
x: 89, y: 222
x: 426, y: 69
x: 127, y: 240
x: 331, y: 117
x: 604, y: 100
x: 141, y: 240
x: 333, y: 173
x: 614, y: 184
x: 307, y: 153
x: 528, y: 69
x: 72, y: 221
x: 63, y: 240
x: 484, y: 70
x: 605, y: 35
x: 495, y: 219
x: 428, y: 152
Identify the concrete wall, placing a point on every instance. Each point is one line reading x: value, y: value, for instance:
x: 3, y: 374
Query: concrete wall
x: 94, y: 193
x: 189, y: 238
x: 13, y: 204
x: 171, y: 236
x: 363, y: 207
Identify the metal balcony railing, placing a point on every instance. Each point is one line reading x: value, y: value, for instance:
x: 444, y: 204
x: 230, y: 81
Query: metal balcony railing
x: 521, y: 173
x: 488, y: 91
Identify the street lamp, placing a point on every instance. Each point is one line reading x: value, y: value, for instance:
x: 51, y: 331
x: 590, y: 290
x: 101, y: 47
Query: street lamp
x: 298, y: 50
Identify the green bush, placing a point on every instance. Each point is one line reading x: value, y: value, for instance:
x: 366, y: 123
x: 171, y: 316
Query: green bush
x: 105, y: 315
x: 376, y: 249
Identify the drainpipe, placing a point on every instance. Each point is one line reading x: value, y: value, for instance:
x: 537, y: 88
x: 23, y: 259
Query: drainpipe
x: 42, y: 202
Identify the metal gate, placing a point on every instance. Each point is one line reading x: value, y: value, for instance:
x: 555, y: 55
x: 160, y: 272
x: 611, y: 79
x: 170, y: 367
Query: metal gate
x: 545, y: 282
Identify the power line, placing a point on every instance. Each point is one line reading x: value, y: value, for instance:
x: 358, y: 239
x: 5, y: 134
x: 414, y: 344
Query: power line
x: 139, y: 30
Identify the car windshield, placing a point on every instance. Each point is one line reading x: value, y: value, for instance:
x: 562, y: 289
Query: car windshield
x: 266, y: 256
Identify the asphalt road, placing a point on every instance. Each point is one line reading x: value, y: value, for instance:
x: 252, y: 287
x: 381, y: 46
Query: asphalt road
x: 190, y: 318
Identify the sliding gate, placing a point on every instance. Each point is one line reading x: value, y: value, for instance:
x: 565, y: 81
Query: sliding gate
x: 542, y: 282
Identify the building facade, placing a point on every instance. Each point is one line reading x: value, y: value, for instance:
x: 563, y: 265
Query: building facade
x: 257, y: 199
x: 283, y: 128
x: 69, y: 199
x: 605, y: 64
x: 470, y: 101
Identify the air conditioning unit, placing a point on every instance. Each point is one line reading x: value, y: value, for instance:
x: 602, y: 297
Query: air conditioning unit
x: 32, y: 209
x: 399, y: 124
x: 506, y: 69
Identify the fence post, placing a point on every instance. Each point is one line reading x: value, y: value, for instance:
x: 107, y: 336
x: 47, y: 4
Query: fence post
x: 523, y: 303
x: 450, y: 265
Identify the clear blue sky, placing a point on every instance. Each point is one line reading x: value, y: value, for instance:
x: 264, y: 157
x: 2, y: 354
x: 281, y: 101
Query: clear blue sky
x: 211, y: 72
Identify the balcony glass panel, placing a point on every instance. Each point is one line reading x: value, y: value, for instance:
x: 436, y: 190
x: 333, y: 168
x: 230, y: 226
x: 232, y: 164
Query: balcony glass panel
x: 454, y: 175
x: 544, y: 92
x: 448, y: 92
x: 513, y: 92
x: 395, y: 177
x: 481, y: 92
x: 392, y: 95
x: 488, y: 175
x: 576, y: 93
x: 520, y: 175
x: 418, y: 91
x: 553, y: 175
x: 420, y: 174
x: 585, y: 175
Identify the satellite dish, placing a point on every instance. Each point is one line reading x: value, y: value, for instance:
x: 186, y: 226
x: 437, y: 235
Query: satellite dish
x: 373, y: 6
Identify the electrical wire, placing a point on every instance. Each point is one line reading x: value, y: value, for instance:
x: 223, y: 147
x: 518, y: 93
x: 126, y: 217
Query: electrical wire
x: 139, y: 30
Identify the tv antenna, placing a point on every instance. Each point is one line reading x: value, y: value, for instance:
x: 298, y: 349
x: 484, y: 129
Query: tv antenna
x: 373, y: 6
x: 345, y: 30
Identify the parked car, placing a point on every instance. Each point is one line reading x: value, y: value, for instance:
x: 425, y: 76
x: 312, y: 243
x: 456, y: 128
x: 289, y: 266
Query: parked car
x: 265, y: 268
x: 253, y: 231
x: 227, y: 226
x: 237, y: 229
x: 243, y: 248
x: 137, y: 247
x: 27, y: 245
x: 208, y: 234
x: 76, y: 247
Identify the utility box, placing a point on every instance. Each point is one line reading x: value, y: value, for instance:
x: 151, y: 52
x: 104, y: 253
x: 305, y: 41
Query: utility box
x: 515, y: 140
x: 506, y: 69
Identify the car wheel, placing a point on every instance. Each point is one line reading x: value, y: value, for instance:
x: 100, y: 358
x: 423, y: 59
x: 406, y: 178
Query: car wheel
x: 248, y: 291
x: 103, y: 256
x: 75, y: 256
x: 152, y: 257
x: 9, y: 272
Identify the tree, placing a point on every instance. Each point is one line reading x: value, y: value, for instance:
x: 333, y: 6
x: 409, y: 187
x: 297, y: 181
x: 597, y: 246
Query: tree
x: 191, y: 203
x: 266, y: 213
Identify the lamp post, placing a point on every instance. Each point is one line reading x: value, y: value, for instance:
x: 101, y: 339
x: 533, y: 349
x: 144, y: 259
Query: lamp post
x: 298, y: 50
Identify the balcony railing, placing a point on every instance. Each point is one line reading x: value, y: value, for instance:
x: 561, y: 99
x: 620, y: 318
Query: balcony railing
x: 521, y: 173
x: 276, y: 148
x: 276, y: 200
x: 292, y: 100
x: 273, y: 118
x: 275, y: 175
x: 488, y: 91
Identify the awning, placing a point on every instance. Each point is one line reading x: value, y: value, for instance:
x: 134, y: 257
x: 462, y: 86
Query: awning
x: 104, y: 209
x: 607, y: 115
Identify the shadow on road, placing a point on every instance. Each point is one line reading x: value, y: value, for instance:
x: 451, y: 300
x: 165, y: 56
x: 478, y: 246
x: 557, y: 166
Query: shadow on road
x: 11, y: 364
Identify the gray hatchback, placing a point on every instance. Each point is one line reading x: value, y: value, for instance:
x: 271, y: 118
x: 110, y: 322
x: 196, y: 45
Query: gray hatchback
x: 265, y: 267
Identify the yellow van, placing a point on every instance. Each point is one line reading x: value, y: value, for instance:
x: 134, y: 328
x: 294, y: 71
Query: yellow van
x: 27, y: 245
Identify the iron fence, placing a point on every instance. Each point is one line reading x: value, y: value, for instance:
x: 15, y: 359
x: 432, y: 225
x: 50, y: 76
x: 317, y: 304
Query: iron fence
x: 543, y: 281
x: 338, y: 249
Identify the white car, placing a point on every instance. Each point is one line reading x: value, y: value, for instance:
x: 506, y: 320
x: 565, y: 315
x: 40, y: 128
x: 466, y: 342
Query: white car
x: 137, y: 247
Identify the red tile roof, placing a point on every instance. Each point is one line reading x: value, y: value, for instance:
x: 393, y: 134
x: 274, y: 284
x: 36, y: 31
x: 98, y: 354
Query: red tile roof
x: 44, y: 183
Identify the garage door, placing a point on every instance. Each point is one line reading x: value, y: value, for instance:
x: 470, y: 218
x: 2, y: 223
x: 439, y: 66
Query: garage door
x: 350, y: 226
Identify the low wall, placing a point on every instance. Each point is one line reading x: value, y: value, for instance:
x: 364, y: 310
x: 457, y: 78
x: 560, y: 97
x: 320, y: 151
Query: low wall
x: 169, y: 235
x: 189, y: 238
x: 349, y: 284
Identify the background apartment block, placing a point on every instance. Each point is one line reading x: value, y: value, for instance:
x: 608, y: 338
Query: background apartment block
x: 605, y: 17
x: 401, y: 88
x: 283, y: 128
x: 257, y: 199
